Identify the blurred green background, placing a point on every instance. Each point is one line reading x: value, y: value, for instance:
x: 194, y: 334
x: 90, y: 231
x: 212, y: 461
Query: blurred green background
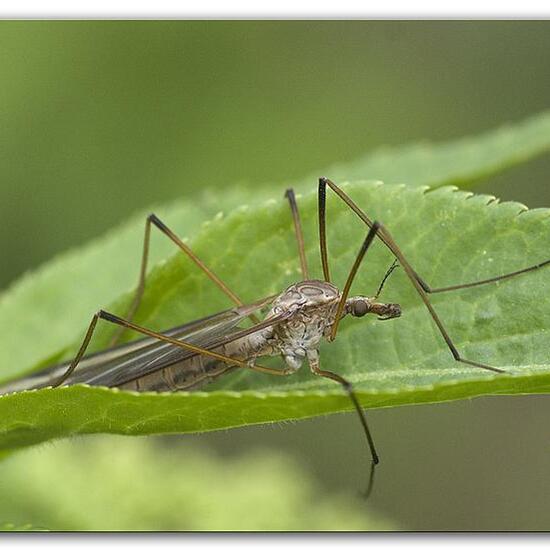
x: 99, y: 119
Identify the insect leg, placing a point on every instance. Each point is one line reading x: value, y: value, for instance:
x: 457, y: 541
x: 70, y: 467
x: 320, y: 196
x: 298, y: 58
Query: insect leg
x: 289, y: 194
x: 313, y: 359
x: 353, y: 271
x: 111, y: 318
x: 152, y: 219
x: 387, y: 239
x: 323, y: 182
x: 322, y: 198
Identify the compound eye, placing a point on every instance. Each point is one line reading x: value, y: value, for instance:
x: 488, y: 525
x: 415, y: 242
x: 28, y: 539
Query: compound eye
x: 359, y: 309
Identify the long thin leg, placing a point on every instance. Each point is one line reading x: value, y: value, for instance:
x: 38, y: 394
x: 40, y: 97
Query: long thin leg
x: 353, y: 271
x: 111, y: 318
x: 323, y: 228
x: 313, y: 359
x: 387, y: 239
x: 154, y: 220
x: 299, y: 234
x: 323, y: 182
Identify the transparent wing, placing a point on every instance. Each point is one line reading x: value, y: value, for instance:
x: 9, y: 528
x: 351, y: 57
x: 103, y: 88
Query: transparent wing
x: 129, y: 361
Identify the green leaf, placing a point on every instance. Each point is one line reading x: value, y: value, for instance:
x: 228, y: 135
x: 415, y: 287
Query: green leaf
x: 461, y: 162
x: 51, y: 306
x: 449, y: 237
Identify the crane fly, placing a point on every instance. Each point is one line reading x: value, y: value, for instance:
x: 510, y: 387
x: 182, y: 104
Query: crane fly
x: 187, y: 357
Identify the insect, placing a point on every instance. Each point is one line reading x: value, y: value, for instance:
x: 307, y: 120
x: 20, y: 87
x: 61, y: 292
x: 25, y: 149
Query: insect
x: 187, y: 357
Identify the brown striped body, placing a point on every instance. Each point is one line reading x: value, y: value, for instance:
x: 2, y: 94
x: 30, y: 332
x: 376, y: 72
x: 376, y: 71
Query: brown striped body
x: 189, y: 375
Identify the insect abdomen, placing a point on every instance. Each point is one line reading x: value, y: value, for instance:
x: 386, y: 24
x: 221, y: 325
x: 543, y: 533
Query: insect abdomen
x: 189, y: 375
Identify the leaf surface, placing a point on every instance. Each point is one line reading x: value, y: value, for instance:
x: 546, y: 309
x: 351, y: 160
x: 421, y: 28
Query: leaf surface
x: 449, y: 237
x: 46, y: 310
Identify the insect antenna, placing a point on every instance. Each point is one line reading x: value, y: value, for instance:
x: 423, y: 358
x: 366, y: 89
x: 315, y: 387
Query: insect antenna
x: 391, y: 269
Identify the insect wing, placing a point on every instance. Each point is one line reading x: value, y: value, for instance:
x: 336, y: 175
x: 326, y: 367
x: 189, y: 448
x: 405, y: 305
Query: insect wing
x: 207, y: 335
x: 155, y: 356
x: 128, y: 361
x: 136, y: 359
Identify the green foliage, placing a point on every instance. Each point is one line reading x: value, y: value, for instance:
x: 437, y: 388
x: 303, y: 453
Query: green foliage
x: 460, y: 162
x: 51, y: 306
x: 133, y: 484
x: 449, y: 236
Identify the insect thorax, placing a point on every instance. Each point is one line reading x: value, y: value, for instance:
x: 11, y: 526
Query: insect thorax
x: 314, y: 305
